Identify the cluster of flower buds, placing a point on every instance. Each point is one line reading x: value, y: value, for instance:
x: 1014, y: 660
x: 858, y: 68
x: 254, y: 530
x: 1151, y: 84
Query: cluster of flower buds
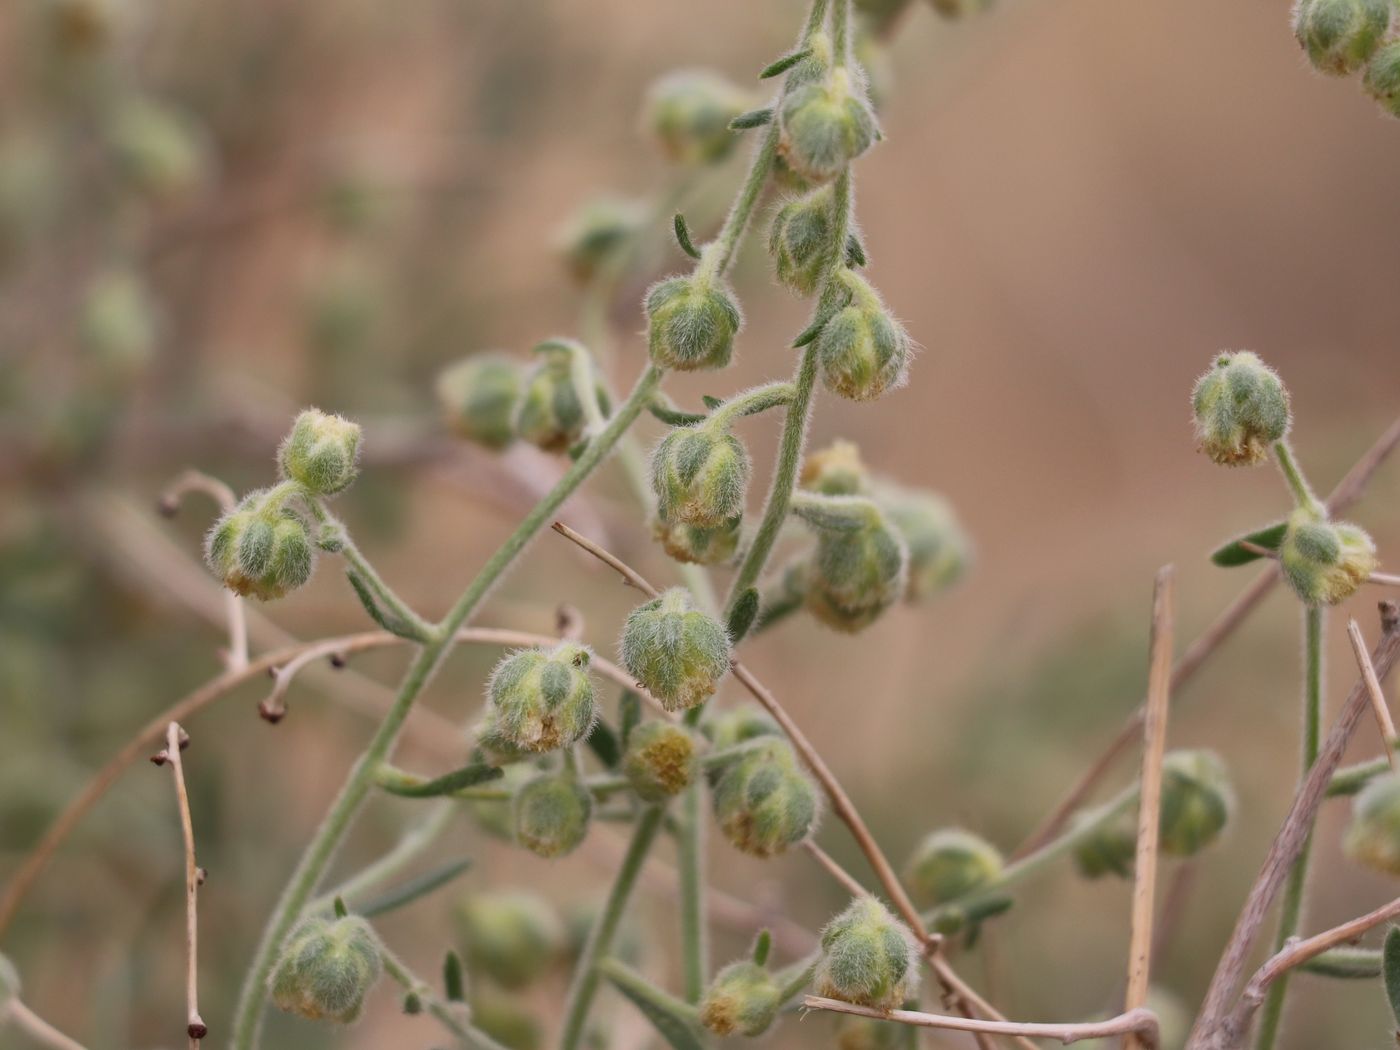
x: 661, y: 761
x: 1241, y: 409
x: 860, y: 564
x: 676, y: 651
x: 261, y: 548
x: 539, y: 700
x: 692, y: 320
x: 511, y: 936
x: 550, y: 413
x: 688, y: 112
x: 950, y: 863
x: 593, y: 236
x: 862, y: 349
x: 868, y: 957
x: 479, y: 396
x: 1325, y: 562
x: 1373, y: 839
x: 1345, y: 37
x: 552, y: 813
x: 326, y: 968
x: 743, y: 999
x: 764, y: 802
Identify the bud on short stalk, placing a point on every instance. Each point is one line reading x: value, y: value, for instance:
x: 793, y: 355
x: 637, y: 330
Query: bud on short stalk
x: 764, y: 802
x: 863, y: 351
x: 552, y: 813
x: 824, y: 124
x: 691, y: 321
x: 1325, y: 563
x: 867, y: 957
x: 836, y: 470
x: 1110, y: 849
x: 688, y: 113
x: 676, y: 651
x: 1196, y: 802
x: 1373, y: 839
x: 939, y: 550
x: 803, y: 240
x: 1241, y: 408
x: 550, y: 413
x: 321, y: 453
x: 859, y: 567
x: 326, y: 968
x: 157, y: 150
x: 262, y: 547
x: 660, y: 761
x: 700, y: 475
x: 742, y: 1000
x: 1339, y: 36
x: 697, y: 545
x: 479, y: 397
x: 592, y: 237
x: 512, y: 937
x: 540, y: 700
x: 949, y: 864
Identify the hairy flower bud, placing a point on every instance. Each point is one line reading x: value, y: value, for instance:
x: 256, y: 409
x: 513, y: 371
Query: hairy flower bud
x: 119, y: 322
x: 552, y: 813
x: 660, y: 760
x: 700, y: 475
x: 764, y: 802
x: 1241, y: 408
x: 479, y: 397
x: 326, y: 968
x: 743, y: 999
x: 867, y: 957
x: 591, y: 237
x: 550, y: 414
x: 1110, y: 849
x: 950, y: 863
x: 541, y: 699
x: 696, y: 544
x: 691, y: 322
x: 1373, y: 839
x: 261, y: 547
x: 9, y: 985
x: 1196, y: 801
x: 825, y: 124
x: 321, y: 452
x: 508, y: 1019
x: 673, y: 649
x: 689, y: 110
x: 1324, y: 562
x: 859, y: 567
x: 836, y: 470
x: 862, y: 349
x: 739, y: 725
x: 511, y: 936
x: 1338, y: 36
x: 939, y: 550
x: 1382, y: 79
x: 802, y: 240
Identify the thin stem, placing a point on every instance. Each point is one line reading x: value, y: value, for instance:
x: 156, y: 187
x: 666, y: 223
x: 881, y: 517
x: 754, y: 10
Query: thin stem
x: 1374, y: 690
x: 43, y: 1033
x: 454, y: 1020
x: 600, y: 937
x: 719, y: 254
x: 175, y: 741
x: 367, y: 572
x: 752, y: 402
x: 841, y: 38
x: 1141, y: 1022
x: 690, y: 861
x: 414, y: 842
x: 1297, y: 483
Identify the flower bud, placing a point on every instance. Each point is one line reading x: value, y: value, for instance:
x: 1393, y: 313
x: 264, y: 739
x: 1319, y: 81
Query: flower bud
x: 1382, y: 79
x: 261, y: 547
x: 692, y: 321
x: 660, y: 761
x: 157, y: 149
x: 552, y: 814
x: 824, y: 125
x: 700, y: 475
x: 764, y: 802
x: 9, y: 985
x: 802, y: 240
x: 939, y: 550
x: 513, y: 937
x: 867, y: 957
x: 1324, y: 562
x: 950, y: 863
x: 321, y: 452
x: 1196, y: 801
x: 1241, y: 408
x: 506, y: 1018
x: 326, y: 968
x: 697, y: 545
x: 739, y: 725
x: 540, y: 699
x: 1338, y: 36
x: 1373, y: 839
x: 479, y: 398
x: 592, y: 236
x: 743, y: 1000
x: 836, y: 470
x: 550, y: 414
x: 689, y: 112
x: 859, y: 567
x: 862, y: 349
x: 495, y: 817
x: 673, y: 649
x: 1110, y: 849
x: 119, y: 322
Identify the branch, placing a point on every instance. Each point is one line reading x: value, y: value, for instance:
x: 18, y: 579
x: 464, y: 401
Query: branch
x: 1373, y: 691
x: 43, y: 1033
x: 176, y: 740
x: 1141, y: 1022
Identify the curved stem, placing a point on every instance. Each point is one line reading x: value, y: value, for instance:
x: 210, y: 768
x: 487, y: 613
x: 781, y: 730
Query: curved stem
x: 1297, y: 483
x: 367, y: 572
x: 455, y: 1021
x: 43, y: 1033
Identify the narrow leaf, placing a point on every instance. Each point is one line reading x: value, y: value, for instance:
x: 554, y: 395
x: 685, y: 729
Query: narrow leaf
x: 742, y: 615
x: 683, y: 237
x: 467, y: 776
x: 603, y: 742
x: 454, y: 988
x: 340, y: 910
x: 1346, y: 964
x: 711, y: 403
x: 1390, y: 964
x: 783, y: 64
x: 412, y: 889
x: 755, y: 118
x: 762, y: 945
x: 389, y: 622
x: 1233, y: 553
x: 673, y: 417
x: 674, y: 1020
x: 855, y: 252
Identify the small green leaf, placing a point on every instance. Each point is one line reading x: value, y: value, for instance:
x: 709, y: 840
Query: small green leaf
x: 389, y: 622
x: 783, y: 64
x: 629, y: 708
x: 1390, y: 965
x: 340, y: 910
x: 855, y: 251
x: 603, y: 742
x: 711, y: 403
x: 408, y: 786
x: 674, y: 1020
x: 762, y: 945
x: 755, y: 118
x: 742, y: 615
x: 411, y: 890
x: 1233, y: 553
x: 454, y: 988
x: 683, y: 237
x: 412, y: 1003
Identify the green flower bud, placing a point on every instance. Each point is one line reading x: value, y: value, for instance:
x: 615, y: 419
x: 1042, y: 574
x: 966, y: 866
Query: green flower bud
x: 673, y: 649
x: 321, y: 452
x: 950, y: 863
x: 689, y: 113
x: 743, y: 1000
x: 552, y: 814
x: 505, y: 1018
x: 1382, y: 79
x: 866, y: 1033
x: 550, y: 414
x: 495, y: 816
x: 119, y: 322
x: 862, y: 349
x: 1241, y: 408
x: 326, y: 968
x: 765, y: 802
x: 1196, y: 801
x: 700, y: 475
x: 479, y: 397
x: 1373, y: 839
x: 541, y: 700
x: 591, y: 237
x: 9, y: 985
x: 739, y: 725
x: 939, y: 550
x: 859, y: 567
x: 513, y: 937
x: 697, y: 545
x: 1338, y: 36
x: 802, y: 240
x: 157, y: 149
x: 261, y: 547
x: 836, y: 470
x: 960, y: 8
x: 692, y: 321
x: 660, y: 761
x: 824, y: 125
x: 1111, y: 849
x: 1324, y: 562
x: 867, y: 957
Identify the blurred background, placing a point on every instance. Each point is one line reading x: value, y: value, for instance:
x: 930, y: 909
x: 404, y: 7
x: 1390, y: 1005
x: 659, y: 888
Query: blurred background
x: 214, y: 214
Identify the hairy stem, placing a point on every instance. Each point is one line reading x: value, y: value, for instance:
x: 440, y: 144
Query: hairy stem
x: 1297, y: 483
x: 690, y: 860
x: 455, y: 1021
x: 368, y: 574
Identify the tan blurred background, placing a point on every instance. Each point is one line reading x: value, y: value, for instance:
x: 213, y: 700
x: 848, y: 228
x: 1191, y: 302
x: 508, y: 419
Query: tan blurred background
x: 1076, y: 205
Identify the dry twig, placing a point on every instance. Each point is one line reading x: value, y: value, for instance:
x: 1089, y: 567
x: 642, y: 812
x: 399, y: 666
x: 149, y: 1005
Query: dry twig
x: 1373, y: 691
x: 176, y: 740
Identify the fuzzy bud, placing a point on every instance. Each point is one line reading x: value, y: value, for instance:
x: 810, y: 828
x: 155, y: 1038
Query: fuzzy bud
x: 508, y: 1019
x: 660, y: 761
x: 1196, y: 801
x: 552, y: 813
x: 825, y: 124
x: 688, y: 111
x: 859, y: 567
x: 1339, y: 36
x: 479, y: 398
x: 326, y: 968
x: 550, y: 414
x: 9, y: 985
x: 673, y: 649
x: 695, y: 544
x: 700, y: 475
x: 1382, y: 79
x: 321, y: 452
x: 513, y: 937
x: 867, y: 957
x: 939, y: 550
x: 742, y: 1000
x: 591, y: 237
x: 261, y: 547
x: 1324, y: 562
x: 862, y: 349
x: 836, y: 470
x: 802, y: 240
x: 1241, y: 408
x: 1110, y: 849
x: 764, y: 802
x: 1373, y: 839
x: 950, y: 863
x: 692, y: 321
x: 739, y: 725
x: 541, y: 700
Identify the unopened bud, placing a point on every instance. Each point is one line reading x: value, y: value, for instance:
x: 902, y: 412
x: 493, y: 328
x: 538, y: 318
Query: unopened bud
x: 1339, y: 36
x: 326, y: 968
x: 1196, y: 801
x: 739, y: 725
x: 867, y: 957
x: 494, y: 816
x: 700, y: 475
x: 836, y: 470
x: 676, y: 651
x: 321, y: 453
x: 594, y: 234
x: 660, y: 761
x: 1382, y: 79
x: 949, y: 864
x: 802, y: 240
x: 1373, y: 839
x: 689, y: 113
x: 541, y: 700
x: 697, y: 545
x: 1324, y: 562
x: 513, y: 937
x: 825, y: 124
x: 550, y: 414
x: 765, y: 802
x: 506, y: 1018
x: 552, y: 813
x: 261, y: 548
x: 1110, y: 849
x: 862, y: 349
x: 691, y: 322
x: 479, y: 398
x: 1241, y: 408
x: 939, y: 549
x: 743, y: 999
x: 858, y: 569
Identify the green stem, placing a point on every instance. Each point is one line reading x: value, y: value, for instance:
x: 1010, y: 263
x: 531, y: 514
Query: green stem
x: 367, y: 573
x: 600, y: 937
x: 454, y: 1020
x: 409, y: 848
x: 1349, y: 780
x: 841, y: 38
x: 752, y: 402
x: 690, y: 859
x: 1291, y: 914
x: 717, y: 256
x: 1297, y: 483
x: 322, y: 847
